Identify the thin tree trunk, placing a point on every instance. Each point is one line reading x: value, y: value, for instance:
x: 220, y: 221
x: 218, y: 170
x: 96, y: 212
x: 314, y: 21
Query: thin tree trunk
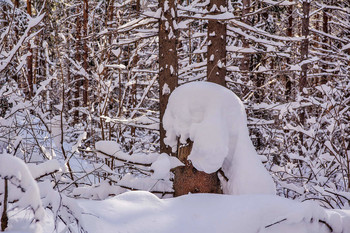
x: 30, y: 58
x: 85, y: 54
x: 69, y: 79
x: 305, y: 21
x: 290, y: 20
x: 168, y: 62
x: 77, y: 58
x: 16, y: 76
x: 216, y: 55
x: 304, y: 55
x: 4, y: 217
x: 325, y: 40
x: 289, y: 34
x: 245, y: 62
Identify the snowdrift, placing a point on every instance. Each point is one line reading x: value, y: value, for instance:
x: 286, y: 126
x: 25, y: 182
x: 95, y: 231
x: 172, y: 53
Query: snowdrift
x: 142, y: 212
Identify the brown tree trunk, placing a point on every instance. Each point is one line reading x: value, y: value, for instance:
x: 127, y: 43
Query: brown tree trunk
x: 168, y: 64
x: 16, y: 77
x: 290, y: 21
x: 30, y: 58
x: 69, y: 79
x: 188, y: 179
x: 85, y: 54
x: 304, y: 43
x: 325, y: 40
x: 304, y: 55
x: 245, y: 62
x: 216, y: 55
x: 289, y: 34
x: 78, y: 59
x: 4, y: 217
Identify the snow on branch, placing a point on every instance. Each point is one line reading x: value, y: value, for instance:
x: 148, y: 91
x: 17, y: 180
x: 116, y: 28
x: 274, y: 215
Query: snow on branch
x: 4, y: 61
x: 113, y: 149
x: 155, y: 168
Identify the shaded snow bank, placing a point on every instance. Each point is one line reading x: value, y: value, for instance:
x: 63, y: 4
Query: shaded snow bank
x: 141, y: 211
x: 214, y: 118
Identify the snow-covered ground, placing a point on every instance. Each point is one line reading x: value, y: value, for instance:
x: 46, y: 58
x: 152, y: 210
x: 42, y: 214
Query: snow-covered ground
x: 215, y: 120
x: 141, y: 211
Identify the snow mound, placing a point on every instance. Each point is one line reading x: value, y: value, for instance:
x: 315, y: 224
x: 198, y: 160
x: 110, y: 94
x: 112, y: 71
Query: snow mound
x: 140, y: 211
x: 214, y: 118
x: 23, y: 190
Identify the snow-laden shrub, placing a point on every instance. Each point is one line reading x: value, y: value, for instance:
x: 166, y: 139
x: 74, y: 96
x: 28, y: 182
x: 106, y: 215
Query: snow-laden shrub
x: 317, y: 166
x: 18, y: 192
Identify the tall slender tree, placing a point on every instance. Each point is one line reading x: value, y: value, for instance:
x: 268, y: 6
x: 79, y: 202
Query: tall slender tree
x: 304, y: 50
x: 168, y: 63
x: 187, y: 178
x: 216, y: 54
x: 30, y: 58
x: 85, y: 50
x: 78, y: 59
x: 245, y: 62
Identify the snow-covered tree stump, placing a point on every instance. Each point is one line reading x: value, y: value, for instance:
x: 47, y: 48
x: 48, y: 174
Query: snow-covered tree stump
x: 214, y: 119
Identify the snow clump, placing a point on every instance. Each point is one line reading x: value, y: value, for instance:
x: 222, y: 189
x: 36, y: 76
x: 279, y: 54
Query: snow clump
x: 214, y: 118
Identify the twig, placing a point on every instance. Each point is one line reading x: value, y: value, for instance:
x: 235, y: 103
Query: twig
x: 282, y: 220
x: 270, y: 225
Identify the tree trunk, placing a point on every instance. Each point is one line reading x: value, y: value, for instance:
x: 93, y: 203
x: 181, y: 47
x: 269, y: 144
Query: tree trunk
x: 290, y: 21
x: 85, y: 54
x: 289, y: 34
x: 30, y: 59
x: 304, y: 43
x: 78, y: 59
x: 216, y: 55
x: 325, y: 40
x: 188, y: 179
x: 304, y: 55
x: 4, y: 217
x: 168, y: 64
x: 245, y: 62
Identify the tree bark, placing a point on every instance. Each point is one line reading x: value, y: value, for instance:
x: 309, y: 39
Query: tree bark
x: 289, y: 33
x: 304, y: 55
x: 30, y: 58
x: 325, y: 39
x: 305, y: 21
x: 187, y: 179
x: 78, y: 59
x: 290, y: 21
x: 216, y: 54
x: 168, y: 64
x: 85, y: 54
x: 245, y: 62
x: 4, y: 217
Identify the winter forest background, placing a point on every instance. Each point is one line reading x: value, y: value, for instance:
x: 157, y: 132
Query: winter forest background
x: 84, y: 84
